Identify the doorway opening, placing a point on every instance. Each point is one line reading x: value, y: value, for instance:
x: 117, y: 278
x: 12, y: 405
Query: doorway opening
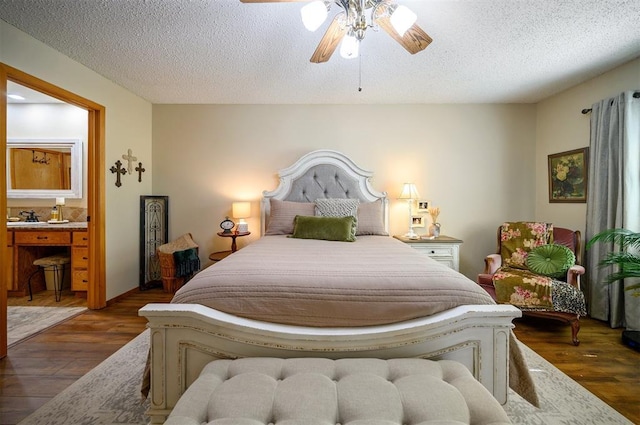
x: 96, y: 288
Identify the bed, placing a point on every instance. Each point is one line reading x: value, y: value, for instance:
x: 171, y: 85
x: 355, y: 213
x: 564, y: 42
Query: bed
x: 286, y: 297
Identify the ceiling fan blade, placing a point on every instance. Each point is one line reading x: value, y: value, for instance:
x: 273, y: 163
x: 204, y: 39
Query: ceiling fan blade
x: 414, y: 40
x: 330, y: 40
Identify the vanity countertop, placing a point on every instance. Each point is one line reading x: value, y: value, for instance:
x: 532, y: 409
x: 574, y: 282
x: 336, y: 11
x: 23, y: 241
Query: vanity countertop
x: 42, y: 225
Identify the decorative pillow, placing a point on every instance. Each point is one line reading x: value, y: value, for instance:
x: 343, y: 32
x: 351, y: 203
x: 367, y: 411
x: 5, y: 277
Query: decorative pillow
x: 518, y: 238
x: 337, y: 207
x: 551, y: 260
x: 371, y: 219
x: 282, y: 214
x: 324, y: 228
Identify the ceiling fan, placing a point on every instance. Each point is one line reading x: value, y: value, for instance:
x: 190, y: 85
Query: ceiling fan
x: 352, y: 22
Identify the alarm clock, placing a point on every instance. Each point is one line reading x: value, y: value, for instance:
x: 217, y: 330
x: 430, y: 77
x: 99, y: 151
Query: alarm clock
x: 226, y: 225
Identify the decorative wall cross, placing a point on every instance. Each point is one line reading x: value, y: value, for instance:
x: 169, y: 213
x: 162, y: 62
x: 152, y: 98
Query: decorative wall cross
x: 119, y: 171
x: 129, y: 158
x: 140, y: 170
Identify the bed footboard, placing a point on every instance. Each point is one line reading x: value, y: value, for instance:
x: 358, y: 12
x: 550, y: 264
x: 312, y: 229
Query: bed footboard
x: 185, y: 337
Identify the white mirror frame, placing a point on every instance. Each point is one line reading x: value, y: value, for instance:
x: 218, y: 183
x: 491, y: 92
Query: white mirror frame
x: 76, y: 168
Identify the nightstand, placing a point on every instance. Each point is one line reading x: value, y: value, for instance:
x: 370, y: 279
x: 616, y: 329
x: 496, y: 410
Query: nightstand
x: 219, y: 256
x: 443, y: 249
x: 233, y: 236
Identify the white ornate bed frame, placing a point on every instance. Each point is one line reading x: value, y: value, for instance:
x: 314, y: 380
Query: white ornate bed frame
x: 185, y: 337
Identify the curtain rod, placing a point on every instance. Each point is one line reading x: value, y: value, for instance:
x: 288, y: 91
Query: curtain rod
x: 636, y: 95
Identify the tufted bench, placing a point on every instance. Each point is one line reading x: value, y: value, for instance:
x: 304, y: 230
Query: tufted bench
x: 317, y: 391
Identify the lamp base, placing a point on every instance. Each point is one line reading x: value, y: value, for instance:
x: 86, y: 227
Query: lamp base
x: 412, y: 235
x: 242, y: 227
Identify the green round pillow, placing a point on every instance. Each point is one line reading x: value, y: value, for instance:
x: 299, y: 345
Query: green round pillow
x: 551, y: 260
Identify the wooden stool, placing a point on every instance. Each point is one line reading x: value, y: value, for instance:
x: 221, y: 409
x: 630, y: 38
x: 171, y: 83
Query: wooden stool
x: 51, y: 263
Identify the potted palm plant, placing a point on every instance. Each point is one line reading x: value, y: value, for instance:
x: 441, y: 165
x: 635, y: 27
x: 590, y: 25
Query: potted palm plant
x: 627, y: 258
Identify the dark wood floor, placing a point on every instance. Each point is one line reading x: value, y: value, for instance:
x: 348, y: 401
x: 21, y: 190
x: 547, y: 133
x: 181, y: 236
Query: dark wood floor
x: 37, y: 369
x: 601, y: 363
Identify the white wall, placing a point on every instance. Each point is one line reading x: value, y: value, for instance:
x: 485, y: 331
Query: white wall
x: 562, y: 127
x: 473, y: 161
x: 128, y: 126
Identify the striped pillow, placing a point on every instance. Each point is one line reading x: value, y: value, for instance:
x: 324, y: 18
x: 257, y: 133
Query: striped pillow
x: 282, y: 214
x: 371, y: 219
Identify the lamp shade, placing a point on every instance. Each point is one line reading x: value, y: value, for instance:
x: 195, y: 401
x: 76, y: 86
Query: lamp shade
x: 350, y: 47
x: 402, y: 19
x: 241, y: 209
x: 314, y: 14
x: 409, y: 191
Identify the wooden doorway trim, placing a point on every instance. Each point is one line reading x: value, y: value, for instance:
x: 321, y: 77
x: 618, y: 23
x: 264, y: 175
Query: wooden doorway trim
x: 96, y: 292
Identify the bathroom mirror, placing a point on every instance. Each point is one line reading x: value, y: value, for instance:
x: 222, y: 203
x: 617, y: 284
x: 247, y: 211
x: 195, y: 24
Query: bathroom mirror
x: 44, y: 168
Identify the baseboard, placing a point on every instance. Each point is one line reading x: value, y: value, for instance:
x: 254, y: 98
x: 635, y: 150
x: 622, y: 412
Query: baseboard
x: 121, y: 296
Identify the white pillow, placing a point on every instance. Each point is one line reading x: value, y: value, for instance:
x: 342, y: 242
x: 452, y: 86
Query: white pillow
x: 337, y: 207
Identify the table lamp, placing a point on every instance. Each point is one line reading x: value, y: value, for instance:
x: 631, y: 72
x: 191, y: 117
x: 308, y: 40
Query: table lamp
x: 60, y: 204
x: 241, y: 210
x: 410, y: 193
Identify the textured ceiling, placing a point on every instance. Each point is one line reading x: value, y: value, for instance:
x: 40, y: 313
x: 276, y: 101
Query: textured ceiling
x: 224, y: 51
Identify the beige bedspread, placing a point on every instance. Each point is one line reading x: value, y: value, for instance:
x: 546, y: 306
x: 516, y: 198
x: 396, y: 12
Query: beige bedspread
x: 372, y: 281
x: 375, y: 280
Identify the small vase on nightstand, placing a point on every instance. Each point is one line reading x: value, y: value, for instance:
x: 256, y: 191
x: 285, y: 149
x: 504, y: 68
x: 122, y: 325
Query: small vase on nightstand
x: 434, y: 230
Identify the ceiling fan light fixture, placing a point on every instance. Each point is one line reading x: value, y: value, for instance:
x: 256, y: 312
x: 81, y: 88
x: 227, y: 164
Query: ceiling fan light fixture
x: 350, y: 47
x: 402, y: 18
x: 314, y: 14
x: 349, y: 26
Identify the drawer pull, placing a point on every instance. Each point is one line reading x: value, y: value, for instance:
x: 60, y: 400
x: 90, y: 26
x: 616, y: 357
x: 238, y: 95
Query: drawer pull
x: 42, y: 237
x: 85, y: 281
x: 85, y: 258
x: 433, y: 252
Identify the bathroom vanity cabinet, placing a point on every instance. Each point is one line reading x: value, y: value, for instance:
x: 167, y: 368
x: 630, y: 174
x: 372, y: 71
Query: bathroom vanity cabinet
x: 79, y: 261
x: 26, y: 242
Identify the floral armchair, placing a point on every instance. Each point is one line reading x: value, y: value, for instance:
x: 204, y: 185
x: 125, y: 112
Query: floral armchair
x: 537, y: 269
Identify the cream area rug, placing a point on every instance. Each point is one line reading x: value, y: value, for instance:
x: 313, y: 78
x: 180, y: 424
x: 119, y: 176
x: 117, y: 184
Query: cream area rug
x: 109, y: 395
x: 23, y: 322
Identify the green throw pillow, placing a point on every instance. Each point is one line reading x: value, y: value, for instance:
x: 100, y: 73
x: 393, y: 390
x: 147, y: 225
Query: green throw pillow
x: 551, y: 260
x: 324, y: 228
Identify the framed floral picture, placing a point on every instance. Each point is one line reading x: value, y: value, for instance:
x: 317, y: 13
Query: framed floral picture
x: 568, y: 176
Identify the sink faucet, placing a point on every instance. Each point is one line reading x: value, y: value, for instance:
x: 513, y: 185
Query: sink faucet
x: 31, y: 216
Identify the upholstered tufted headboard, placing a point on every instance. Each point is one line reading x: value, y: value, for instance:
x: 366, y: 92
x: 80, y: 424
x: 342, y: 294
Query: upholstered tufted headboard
x: 322, y: 174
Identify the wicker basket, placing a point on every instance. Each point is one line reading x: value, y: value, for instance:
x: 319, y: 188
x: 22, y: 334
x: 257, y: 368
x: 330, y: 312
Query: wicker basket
x: 171, y: 283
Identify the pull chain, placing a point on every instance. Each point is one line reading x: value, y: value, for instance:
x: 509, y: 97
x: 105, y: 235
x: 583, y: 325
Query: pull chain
x: 359, y: 73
